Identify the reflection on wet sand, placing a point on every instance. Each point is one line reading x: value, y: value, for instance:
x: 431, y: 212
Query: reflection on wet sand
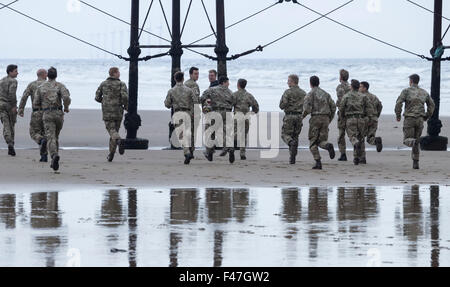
x: 224, y: 227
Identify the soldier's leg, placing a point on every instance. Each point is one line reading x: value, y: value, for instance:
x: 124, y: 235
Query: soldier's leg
x: 7, y: 128
x: 341, y: 138
x: 59, y: 126
x: 35, y: 127
x: 352, y: 132
x: 313, y: 135
x: 362, y: 133
x: 418, y: 133
x: 298, y: 129
x: 50, y: 134
x: 409, y: 133
x: 371, y: 133
x: 287, y: 130
x: 193, y: 135
x: 243, y: 148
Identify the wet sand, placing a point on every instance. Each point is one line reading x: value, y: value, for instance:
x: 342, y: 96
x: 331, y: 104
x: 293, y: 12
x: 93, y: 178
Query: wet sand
x: 166, y: 169
x: 303, y: 226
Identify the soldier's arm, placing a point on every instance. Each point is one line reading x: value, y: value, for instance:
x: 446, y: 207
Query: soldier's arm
x: 379, y: 108
x: 12, y: 93
x: 99, y: 94
x: 124, y: 96
x: 24, y: 99
x: 430, y: 107
x: 255, y: 104
x: 332, y: 108
x: 307, y: 106
x: 342, y: 105
x: 37, y: 98
x: 340, y: 95
x: 168, y: 101
x: 284, y: 101
x: 65, y: 95
x: 399, y: 105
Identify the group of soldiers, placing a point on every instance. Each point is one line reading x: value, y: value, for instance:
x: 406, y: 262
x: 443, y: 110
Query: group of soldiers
x: 358, y: 113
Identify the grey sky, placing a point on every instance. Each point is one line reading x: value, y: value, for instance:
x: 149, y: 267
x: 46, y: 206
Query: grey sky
x: 396, y: 21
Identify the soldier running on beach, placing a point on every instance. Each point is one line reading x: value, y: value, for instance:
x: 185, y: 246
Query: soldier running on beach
x: 113, y: 95
x: 37, y: 131
x: 195, y: 124
x: 322, y: 109
x: 355, y: 109
x: 372, y: 125
x: 54, y: 98
x: 182, y: 99
x: 292, y: 103
x: 8, y: 106
x: 341, y: 91
x: 415, y: 99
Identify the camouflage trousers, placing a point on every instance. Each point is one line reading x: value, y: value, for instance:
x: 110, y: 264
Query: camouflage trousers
x: 412, y: 131
x: 318, y: 134
x: 241, y: 130
x: 8, y: 120
x: 53, y: 123
x: 356, y: 131
x: 37, y: 131
x: 227, y: 136
x: 371, y: 132
x: 113, y: 127
x: 292, y: 127
x: 341, y: 138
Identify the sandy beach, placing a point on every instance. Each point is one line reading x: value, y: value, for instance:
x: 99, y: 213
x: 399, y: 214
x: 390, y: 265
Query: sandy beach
x: 161, y: 168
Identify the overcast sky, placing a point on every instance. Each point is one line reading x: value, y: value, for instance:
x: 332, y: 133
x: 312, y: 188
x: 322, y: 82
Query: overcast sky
x: 395, y: 21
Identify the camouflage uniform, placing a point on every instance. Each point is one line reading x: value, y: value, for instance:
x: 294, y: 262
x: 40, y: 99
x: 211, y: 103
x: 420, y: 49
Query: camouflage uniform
x: 197, y: 110
x: 322, y: 108
x: 8, y: 101
x: 355, y: 109
x: 243, y: 101
x: 113, y: 95
x: 415, y: 99
x: 37, y: 131
x: 341, y: 91
x: 292, y: 103
x: 221, y: 101
x: 181, y: 99
x: 372, y: 126
x: 51, y: 96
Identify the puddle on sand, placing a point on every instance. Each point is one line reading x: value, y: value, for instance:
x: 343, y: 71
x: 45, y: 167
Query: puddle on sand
x: 386, y: 226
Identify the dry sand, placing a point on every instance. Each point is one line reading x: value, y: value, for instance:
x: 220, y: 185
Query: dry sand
x: 158, y: 168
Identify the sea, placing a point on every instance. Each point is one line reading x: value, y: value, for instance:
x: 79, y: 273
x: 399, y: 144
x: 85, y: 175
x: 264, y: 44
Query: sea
x: 267, y: 78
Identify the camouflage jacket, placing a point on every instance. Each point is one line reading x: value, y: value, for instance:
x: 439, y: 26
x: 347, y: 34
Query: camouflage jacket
x: 52, y: 95
x: 8, y: 89
x: 180, y: 98
x: 30, y: 91
x: 355, y: 103
x: 221, y: 98
x: 292, y: 100
x: 376, y: 105
x: 243, y: 101
x: 113, y: 95
x: 341, y: 91
x: 319, y: 102
x: 415, y: 99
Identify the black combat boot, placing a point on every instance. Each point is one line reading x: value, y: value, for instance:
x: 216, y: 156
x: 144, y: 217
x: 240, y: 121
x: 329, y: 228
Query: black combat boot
x: 293, y: 149
x: 331, y: 151
x: 223, y: 153
x: 379, y: 144
x: 11, y: 151
x: 55, y: 163
x: 121, y: 148
x: 243, y: 157
x: 43, y: 146
x: 209, y: 156
x: 343, y: 157
x: 231, y: 158
x: 110, y: 157
x: 187, y: 159
x: 44, y: 158
x: 318, y: 165
x: 416, y: 164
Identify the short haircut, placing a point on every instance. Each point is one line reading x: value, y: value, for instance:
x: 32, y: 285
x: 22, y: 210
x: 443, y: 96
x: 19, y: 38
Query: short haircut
x: 223, y: 79
x: 415, y: 78
x: 355, y: 85
x: 213, y: 71
x: 179, y: 77
x: 344, y: 75
x: 52, y: 73
x: 113, y: 70
x: 366, y: 85
x: 242, y: 83
x: 294, y: 78
x: 41, y: 72
x: 192, y: 70
x: 314, y: 81
x: 10, y: 68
